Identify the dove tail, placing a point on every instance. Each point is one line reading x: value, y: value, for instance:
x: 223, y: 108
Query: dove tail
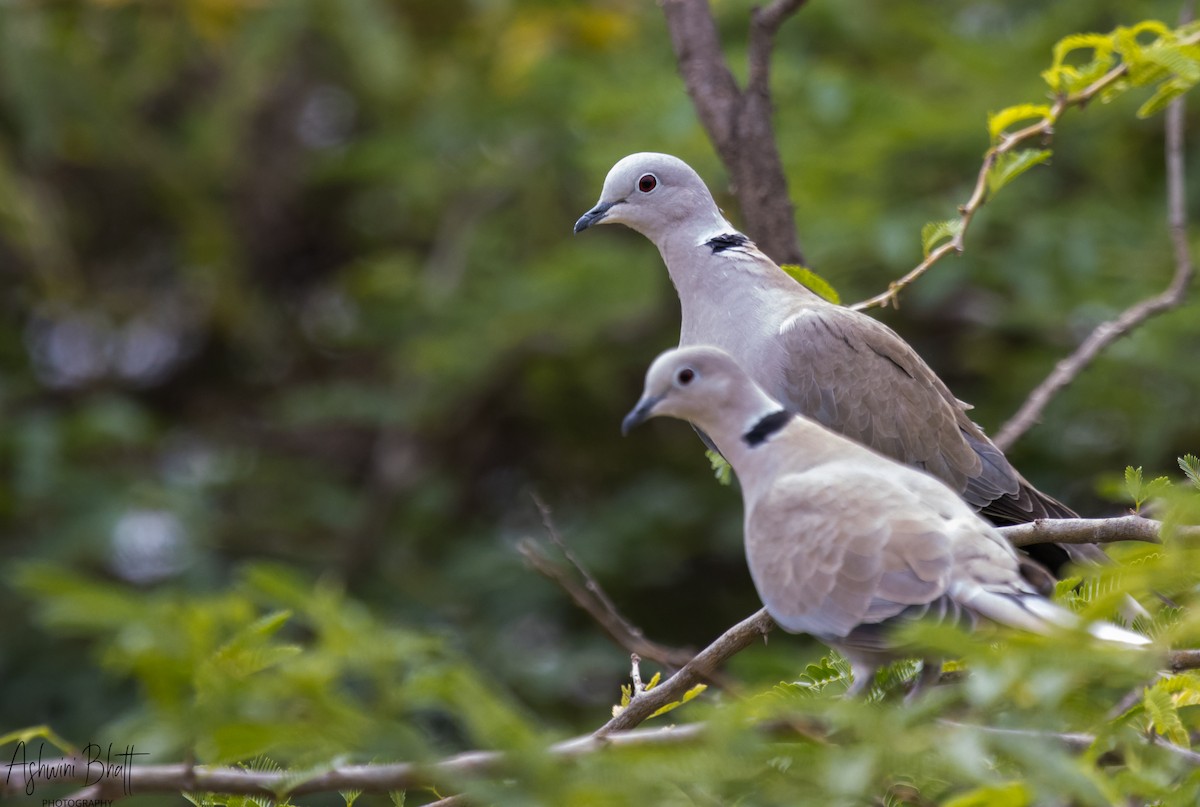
x: 1036, y: 614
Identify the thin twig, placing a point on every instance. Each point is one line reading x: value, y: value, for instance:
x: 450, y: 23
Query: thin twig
x: 590, y: 583
x: 1043, y: 129
x: 591, y: 597
x: 1091, y: 531
x: 1075, y: 741
x: 1107, y: 332
x: 627, y: 636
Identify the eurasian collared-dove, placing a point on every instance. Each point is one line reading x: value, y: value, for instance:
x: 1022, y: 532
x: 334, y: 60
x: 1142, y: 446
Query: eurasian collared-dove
x: 842, y: 368
x: 844, y: 543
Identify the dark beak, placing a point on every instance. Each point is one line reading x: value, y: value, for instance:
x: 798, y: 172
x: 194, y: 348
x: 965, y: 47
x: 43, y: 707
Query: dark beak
x: 640, y: 413
x: 593, y: 216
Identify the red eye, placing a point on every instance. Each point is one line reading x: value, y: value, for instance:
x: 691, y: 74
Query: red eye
x: 647, y: 183
x: 685, y: 376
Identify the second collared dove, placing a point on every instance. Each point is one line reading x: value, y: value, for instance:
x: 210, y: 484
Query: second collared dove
x: 844, y: 543
x: 842, y: 368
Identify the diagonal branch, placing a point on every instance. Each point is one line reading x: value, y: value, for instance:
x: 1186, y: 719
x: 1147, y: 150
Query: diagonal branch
x: 625, y: 634
x: 1042, y: 130
x: 727, y: 645
x: 593, y: 599
x: 1108, y: 332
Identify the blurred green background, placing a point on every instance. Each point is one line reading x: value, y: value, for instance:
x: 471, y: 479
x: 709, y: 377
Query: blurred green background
x: 295, y: 281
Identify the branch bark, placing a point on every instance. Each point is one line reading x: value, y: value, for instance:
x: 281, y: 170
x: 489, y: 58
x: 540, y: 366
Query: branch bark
x: 1091, y: 531
x: 374, y: 778
x: 738, y: 121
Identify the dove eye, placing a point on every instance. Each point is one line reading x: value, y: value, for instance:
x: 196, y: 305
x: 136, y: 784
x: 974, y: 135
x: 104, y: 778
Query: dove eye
x: 647, y: 183
x: 685, y: 376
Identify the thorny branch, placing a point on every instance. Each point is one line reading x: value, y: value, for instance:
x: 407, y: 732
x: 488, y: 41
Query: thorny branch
x: 1107, y: 332
x: 1043, y: 129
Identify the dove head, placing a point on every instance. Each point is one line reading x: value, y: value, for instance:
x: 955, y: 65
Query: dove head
x: 655, y: 194
x: 703, y: 385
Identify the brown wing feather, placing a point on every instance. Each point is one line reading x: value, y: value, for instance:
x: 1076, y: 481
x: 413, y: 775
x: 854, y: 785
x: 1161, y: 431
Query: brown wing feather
x: 859, y: 378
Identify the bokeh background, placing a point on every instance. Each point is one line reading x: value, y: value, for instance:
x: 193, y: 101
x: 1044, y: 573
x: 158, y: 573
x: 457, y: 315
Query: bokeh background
x: 294, y: 281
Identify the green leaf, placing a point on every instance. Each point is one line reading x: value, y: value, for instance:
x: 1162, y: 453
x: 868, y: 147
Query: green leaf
x: 1010, y: 165
x: 722, y: 470
x: 813, y: 282
x: 1190, y: 464
x: 935, y: 232
x: 398, y: 797
x: 827, y: 670
x: 1167, y: 92
x: 43, y: 732
x: 1010, y: 794
x: 999, y: 121
x: 1157, y: 487
x: 1164, y: 717
x: 1182, y: 60
x: 687, y: 696
x: 1067, y: 584
x: 1066, y: 79
x: 1184, y: 688
x: 1133, y: 485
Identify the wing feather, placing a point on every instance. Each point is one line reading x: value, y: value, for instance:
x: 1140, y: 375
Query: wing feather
x: 856, y: 376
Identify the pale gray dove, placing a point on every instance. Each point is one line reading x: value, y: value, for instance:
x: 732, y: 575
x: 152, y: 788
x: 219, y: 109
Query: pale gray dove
x: 842, y: 368
x: 842, y: 542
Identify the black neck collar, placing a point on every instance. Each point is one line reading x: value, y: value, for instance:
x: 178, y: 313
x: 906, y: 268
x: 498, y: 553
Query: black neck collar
x: 767, y: 426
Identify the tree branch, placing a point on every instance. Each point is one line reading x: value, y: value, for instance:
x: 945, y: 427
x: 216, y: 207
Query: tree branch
x: 1091, y: 531
x: 710, y: 83
x: 1107, y: 332
x: 374, y: 778
x: 1043, y: 130
x: 728, y: 644
x: 764, y: 24
x: 739, y: 123
x: 1180, y: 660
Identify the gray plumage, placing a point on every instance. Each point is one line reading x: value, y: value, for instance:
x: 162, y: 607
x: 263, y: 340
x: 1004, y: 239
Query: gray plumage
x: 842, y: 542
x: 842, y: 368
